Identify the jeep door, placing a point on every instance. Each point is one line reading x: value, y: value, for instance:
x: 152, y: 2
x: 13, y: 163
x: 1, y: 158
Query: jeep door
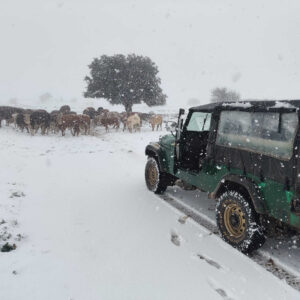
x: 192, y: 149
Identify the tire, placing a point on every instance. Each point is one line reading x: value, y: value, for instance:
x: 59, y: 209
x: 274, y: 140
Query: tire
x: 156, y: 180
x: 238, y: 222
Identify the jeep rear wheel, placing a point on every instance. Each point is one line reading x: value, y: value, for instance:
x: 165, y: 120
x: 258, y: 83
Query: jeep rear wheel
x: 155, y: 179
x: 238, y: 222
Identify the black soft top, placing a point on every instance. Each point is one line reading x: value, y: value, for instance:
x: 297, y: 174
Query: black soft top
x: 270, y: 105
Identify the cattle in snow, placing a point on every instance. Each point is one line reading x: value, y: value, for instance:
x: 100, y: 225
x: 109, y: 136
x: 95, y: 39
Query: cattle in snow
x: 84, y: 123
x: 73, y: 123
x: 6, y: 113
x: 156, y: 120
x: 107, y: 119
x: 133, y: 122
x: 13, y: 120
x: 39, y: 119
x: 68, y: 121
x: 91, y: 112
x: 65, y: 109
x: 53, y: 120
x: 23, y: 121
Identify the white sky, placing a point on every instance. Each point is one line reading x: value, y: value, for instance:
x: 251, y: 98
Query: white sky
x: 250, y: 46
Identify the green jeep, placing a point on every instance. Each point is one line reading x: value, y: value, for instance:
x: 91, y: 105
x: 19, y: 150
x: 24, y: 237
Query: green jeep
x: 245, y: 155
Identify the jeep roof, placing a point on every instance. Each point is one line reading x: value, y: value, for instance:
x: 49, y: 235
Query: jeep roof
x: 269, y: 105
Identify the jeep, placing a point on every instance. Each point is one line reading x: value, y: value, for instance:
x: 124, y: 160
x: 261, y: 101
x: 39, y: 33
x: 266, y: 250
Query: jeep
x: 245, y: 155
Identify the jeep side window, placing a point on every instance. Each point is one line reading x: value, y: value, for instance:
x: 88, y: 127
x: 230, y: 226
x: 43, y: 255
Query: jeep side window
x: 259, y: 132
x: 199, y: 122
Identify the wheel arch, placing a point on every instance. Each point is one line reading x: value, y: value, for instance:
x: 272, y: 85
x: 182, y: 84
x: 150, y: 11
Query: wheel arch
x: 152, y: 151
x: 245, y: 186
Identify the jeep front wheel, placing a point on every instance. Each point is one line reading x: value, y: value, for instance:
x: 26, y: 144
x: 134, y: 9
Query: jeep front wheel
x: 155, y: 179
x: 238, y: 222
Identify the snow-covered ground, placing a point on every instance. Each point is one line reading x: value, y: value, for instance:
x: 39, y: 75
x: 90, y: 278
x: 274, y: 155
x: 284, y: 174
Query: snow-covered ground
x: 86, y: 227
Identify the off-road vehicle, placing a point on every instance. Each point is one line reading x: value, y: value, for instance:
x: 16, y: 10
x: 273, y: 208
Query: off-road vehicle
x: 245, y: 155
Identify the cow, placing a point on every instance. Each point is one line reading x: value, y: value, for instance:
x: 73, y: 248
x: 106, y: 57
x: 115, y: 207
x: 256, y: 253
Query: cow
x: 73, y: 122
x: 67, y: 121
x: 133, y: 122
x: 53, y: 120
x: 13, y: 120
x: 85, y: 123
x: 107, y: 118
x: 65, y: 109
x: 156, y: 120
x: 23, y: 121
x: 90, y: 111
x: 145, y: 117
x: 39, y: 119
x: 6, y: 113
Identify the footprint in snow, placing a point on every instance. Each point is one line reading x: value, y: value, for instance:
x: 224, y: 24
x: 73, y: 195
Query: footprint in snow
x: 210, y: 261
x: 175, y: 239
x: 222, y: 293
x: 182, y: 219
x: 219, y: 290
x: 17, y: 194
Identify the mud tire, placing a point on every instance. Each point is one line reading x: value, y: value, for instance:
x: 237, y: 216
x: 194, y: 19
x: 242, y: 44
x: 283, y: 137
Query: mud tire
x: 156, y: 180
x: 238, y: 222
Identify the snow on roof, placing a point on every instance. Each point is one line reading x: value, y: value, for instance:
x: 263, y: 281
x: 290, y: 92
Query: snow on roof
x: 238, y: 104
x: 281, y: 104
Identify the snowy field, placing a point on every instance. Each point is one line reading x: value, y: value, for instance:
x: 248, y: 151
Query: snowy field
x: 86, y: 227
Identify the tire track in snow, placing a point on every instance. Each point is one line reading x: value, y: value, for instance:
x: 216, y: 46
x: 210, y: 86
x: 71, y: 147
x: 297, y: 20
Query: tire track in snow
x: 267, y: 263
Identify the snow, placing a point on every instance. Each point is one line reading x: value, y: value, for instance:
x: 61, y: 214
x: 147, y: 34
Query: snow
x: 238, y: 104
x: 282, y: 104
x: 284, y: 250
x: 91, y: 230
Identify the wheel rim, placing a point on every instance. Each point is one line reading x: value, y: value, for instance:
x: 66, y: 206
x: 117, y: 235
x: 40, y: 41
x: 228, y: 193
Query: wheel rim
x: 234, y: 219
x: 152, y: 175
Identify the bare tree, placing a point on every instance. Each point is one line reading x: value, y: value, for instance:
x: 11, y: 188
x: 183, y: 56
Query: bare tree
x: 224, y: 95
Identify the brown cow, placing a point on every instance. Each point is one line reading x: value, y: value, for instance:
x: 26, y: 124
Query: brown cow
x: 156, y: 120
x: 68, y: 121
x: 85, y: 123
x: 107, y: 118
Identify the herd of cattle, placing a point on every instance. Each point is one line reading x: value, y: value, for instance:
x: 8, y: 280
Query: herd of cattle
x: 64, y: 118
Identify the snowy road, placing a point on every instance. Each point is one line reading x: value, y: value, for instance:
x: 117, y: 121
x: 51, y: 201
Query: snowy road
x: 92, y: 230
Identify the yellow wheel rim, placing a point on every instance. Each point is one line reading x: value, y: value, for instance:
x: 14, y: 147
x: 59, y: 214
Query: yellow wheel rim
x: 152, y: 175
x: 234, y: 220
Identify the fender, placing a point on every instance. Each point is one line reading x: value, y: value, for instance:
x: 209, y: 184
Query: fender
x: 153, y: 150
x: 252, y: 188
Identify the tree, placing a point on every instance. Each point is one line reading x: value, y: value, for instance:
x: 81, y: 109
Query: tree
x: 125, y: 80
x: 224, y: 95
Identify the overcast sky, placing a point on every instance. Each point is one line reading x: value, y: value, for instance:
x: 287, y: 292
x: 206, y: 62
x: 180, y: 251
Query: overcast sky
x: 252, y: 47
